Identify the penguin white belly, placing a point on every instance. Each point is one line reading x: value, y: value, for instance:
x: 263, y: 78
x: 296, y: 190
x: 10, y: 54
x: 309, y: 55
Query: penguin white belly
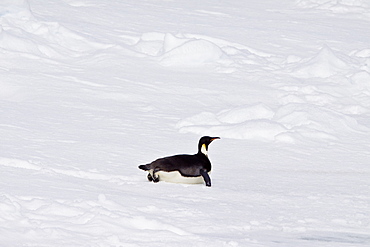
x: 176, y: 177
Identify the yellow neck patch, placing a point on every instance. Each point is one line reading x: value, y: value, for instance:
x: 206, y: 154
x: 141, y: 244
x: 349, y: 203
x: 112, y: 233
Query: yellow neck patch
x: 204, y: 150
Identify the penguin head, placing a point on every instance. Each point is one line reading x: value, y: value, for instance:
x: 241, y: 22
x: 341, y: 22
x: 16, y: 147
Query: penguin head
x: 203, y: 144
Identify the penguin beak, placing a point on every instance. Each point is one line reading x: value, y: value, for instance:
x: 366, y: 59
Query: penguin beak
x: 214, y: 138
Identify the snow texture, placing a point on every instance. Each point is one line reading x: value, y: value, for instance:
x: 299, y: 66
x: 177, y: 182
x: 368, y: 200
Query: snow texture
x: 89, y: 90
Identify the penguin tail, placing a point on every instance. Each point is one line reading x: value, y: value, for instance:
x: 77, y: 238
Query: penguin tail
x: 144, y: 167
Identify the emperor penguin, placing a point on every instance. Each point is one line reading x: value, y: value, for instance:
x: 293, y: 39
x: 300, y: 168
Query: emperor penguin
x: 183, y: 168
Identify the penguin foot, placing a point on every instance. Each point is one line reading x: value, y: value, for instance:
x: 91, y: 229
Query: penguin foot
x: 156, y: 179
x: 154, y: 176
x: 150, y: 178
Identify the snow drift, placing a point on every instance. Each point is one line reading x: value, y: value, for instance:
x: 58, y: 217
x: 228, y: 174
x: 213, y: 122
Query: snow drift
x: 89, y: 90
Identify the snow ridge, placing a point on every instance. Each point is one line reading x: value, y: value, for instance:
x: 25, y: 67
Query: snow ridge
x: 22, y: 32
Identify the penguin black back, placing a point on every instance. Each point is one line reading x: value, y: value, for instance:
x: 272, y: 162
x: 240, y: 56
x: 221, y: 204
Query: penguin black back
x: 183, y: 168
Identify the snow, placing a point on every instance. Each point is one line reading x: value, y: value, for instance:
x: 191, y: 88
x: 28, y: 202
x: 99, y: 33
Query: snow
x: 324, y: 64
x: 90, y: 90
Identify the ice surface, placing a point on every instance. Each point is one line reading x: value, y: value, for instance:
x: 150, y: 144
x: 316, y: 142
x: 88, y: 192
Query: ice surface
x: 89, y: 90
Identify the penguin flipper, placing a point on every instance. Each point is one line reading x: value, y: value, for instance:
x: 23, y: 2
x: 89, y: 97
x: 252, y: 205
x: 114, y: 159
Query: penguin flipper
x: 206, y: 177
